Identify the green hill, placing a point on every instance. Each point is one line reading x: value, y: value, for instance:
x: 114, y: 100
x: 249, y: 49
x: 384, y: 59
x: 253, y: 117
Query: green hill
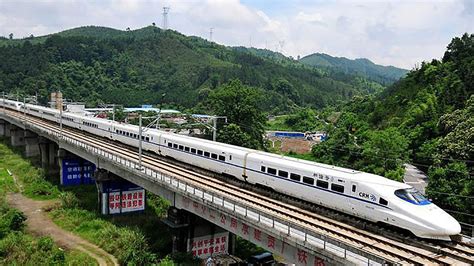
x: 362, y: 67
x: 98, y: 64
x: 426, y: 118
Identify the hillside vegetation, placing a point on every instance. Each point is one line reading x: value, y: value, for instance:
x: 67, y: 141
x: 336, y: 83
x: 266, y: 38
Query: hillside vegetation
x: 97, y: 64
x: 426, y: 118
x: 361, y: 67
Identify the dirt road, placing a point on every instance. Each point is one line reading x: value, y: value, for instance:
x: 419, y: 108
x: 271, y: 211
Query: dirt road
x: 40, y: 224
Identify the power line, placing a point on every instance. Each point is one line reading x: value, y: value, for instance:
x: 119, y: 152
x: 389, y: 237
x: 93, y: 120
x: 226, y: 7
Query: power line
x: 463, y: 213
x: 452, y: 195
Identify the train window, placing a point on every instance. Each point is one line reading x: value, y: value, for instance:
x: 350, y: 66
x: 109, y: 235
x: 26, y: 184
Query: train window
x: 221, y: 158
x: 283, y: 173
x: 353, y: 188
x: 214, y: 156
x: 308, y: 180
x: 271, y: 171
x: 170, y: 144
x: 412, y: 195
x: 186, y: 149
x: 193, y: 150
x: 322, y: 184
x: 230, y: 157
x: 207, y: 154
x: 199, y: 152
x: 295, y: 177
x: 181, y: 147
x: 337, y: 188
x: 263, y: 169
x: 383, y: 201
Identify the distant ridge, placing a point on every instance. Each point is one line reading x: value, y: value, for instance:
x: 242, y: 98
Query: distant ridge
x: 131, y: 67
x: 361, y: 66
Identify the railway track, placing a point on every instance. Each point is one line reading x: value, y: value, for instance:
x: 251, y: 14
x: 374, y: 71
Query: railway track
x: 391, y: 250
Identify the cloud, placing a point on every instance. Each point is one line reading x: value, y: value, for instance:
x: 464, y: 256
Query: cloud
x: 398, y: 32
x: 315, y: 18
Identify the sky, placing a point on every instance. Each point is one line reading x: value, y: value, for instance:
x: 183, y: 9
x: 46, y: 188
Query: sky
x: 401, y: 33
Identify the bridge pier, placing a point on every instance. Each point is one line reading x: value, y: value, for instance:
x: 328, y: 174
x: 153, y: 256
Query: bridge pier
x: 2, y: 128
x: 44, y: 154
x: 191, y: 233
x: 8, y: 127
x: 17, y: 136
x: 177, y: 220
x: 31, y: 144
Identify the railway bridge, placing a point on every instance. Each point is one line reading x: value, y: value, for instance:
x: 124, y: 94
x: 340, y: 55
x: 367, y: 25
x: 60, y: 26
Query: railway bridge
x: 297, y: 235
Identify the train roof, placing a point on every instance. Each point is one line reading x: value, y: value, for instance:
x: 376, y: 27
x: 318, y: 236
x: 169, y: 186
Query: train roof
x: 329, y: 169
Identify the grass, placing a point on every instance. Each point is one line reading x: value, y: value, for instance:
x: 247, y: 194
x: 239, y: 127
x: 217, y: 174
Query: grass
x: 16, y: 246
x: 6, y: 182
x: 132, y: 239
x: 278, y: 124
x: 35, y: 184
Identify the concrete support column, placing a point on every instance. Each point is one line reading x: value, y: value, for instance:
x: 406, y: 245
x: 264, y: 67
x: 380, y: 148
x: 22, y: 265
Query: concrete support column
x: 177, y: 220
x: 2, y: 128
x: 43, y: 144
x: 8, y: 127
x: 52, y: 152
x: 62, y: 153
x: 17, y: 136
x: 31, y: 144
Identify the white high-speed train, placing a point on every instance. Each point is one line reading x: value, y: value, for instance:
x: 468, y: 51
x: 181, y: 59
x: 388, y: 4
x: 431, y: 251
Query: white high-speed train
x: 364, y: 195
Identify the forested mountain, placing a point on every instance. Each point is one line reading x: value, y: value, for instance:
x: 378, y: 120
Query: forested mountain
x: 361, y: 66
x: 97, y: 64
x: 427, y: 118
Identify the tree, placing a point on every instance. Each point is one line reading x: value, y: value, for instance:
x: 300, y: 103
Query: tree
x: 240, y: 104
x: 10, y: 36
x: 451, y: 187
x: 303, y: 120
x: 458, y: 127
x: 284, y: 87
x: 233, y: 134
x: 384, y: 151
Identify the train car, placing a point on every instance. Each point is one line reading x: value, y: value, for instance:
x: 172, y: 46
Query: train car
x: 129, y: 134
x: 364, y: 195
x: 97, y: 126
x: 214, y: 156
x: 11, y: 104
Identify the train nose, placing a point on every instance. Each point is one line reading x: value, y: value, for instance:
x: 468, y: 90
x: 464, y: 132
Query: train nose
x: 452, y: 227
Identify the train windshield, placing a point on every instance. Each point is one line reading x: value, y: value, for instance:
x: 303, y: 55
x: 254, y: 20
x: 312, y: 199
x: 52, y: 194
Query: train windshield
x: 412, y: 195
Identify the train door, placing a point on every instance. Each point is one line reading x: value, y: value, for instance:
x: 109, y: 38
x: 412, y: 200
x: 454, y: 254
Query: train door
x: 111, y: 131
x: 354, y: 205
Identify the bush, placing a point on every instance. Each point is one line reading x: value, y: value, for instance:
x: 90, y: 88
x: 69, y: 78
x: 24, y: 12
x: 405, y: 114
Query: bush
x: 11, y: 220
x: 68, y: 200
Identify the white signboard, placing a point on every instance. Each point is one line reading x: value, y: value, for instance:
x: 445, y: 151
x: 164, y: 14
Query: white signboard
x: 125, y: 201
x: 205, y: 246
x: 114, y: 202
x: 133, y: 200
